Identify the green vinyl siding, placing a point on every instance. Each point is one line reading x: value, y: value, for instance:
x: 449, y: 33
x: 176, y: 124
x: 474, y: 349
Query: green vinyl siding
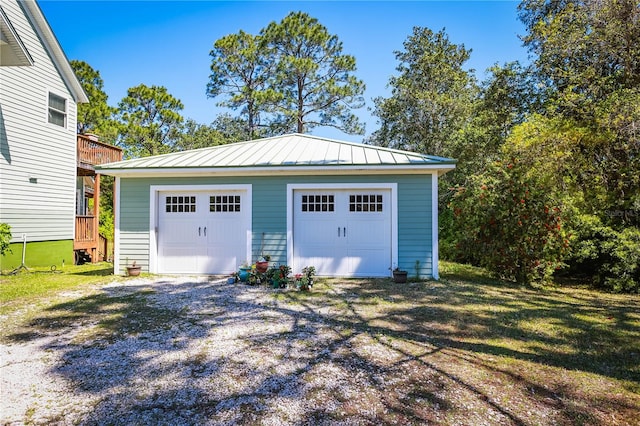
x: 269, y: 218
x: 415, y: 226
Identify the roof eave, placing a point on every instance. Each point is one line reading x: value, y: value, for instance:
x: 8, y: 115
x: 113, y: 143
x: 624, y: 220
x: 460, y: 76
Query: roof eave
x: 53, y: 46
x: 440, y: 168
x: 17, y: 48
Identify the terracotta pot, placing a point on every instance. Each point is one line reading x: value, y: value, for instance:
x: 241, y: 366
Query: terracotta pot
x: 133, y: 271
x: 262, y: 267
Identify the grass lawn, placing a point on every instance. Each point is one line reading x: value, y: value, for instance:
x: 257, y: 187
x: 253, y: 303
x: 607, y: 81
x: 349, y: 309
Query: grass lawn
x: 40, y: 284
x: 464, y: 350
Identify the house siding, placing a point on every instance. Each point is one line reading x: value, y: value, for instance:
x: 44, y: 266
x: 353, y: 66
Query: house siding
x: 415, y: 243
x: 37, y: 159
x: 269, y: 224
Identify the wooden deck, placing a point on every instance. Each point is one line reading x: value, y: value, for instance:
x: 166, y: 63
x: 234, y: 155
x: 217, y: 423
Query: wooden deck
x: 91, y: 152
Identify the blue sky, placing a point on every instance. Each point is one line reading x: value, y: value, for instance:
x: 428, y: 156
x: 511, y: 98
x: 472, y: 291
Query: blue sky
x: 168, y: 42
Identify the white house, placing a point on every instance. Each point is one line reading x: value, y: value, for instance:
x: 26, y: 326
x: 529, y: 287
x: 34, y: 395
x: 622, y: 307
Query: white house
x: 39, y: 93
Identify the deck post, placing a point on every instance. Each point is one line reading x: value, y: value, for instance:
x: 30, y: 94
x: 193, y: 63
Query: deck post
x: 96, y: 219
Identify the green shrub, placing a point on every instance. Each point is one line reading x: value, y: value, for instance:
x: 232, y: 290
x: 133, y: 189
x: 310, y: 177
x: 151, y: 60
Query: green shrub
x: 610, y: 257
x: 509, y: 223
x: 5, y: 238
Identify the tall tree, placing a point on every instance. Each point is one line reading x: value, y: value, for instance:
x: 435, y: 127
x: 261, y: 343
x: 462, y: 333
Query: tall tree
x: 194, y: 136
x: 431, y: 98
x: 150, y: 121
x: 233, y: 129
x: 585, y: 49
x: 505, y: 99
x: 588, y: 54
x: 95, y: 116
x: 314, y: 78
x: 240, y: 70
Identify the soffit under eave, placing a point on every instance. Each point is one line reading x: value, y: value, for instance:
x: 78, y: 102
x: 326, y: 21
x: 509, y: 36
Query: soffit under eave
x: 13, y: 52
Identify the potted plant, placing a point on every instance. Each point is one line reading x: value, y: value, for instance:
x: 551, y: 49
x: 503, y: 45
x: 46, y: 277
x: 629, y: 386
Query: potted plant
x: 399, y: 276
x: 243, y: 272
x: 279, y: 276
x: 255, y: 277
x: 133, y: 270
x: 304, y: 281
x: 262, y: 264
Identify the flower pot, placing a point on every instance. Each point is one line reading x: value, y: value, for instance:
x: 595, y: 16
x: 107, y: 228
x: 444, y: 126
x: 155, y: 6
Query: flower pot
x: 262, y: 266
x: 231, y: 280
x: 243, y: 274
x: 133, y: 271
x: 400, y: 276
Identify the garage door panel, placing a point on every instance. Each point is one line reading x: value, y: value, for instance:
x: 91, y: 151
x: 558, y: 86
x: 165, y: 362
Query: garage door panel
x: 368, y: 233
x: 221, y: 264
x: 349, y: 236
x: 202, y: 232
x: 368, y: 261
x: 318, y: 231
x: 328, y: 265
x: 176, y: 258
x: 175, y: 232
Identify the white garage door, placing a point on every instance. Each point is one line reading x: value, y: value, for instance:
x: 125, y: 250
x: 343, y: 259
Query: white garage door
x: 202, y: 232
x: 343, y: 232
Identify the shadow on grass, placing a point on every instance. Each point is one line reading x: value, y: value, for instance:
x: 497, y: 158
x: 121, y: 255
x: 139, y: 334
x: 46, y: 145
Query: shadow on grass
x: 103, y: 272
x: 419, y: 353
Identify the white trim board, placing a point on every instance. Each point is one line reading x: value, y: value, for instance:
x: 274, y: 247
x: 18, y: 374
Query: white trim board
x: 434, y: 227
x: 116, y: 231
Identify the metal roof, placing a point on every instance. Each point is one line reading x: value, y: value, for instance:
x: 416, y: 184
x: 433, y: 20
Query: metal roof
x: 288, y: 151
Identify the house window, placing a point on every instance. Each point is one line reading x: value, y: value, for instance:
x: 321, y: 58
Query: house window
x: 365, y: 203
x: 318, y: 203
x: 224, y: 203
x: 180, y: 204
x: 57, y: 110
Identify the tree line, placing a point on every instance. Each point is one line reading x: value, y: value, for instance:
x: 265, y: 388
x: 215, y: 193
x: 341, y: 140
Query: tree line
x: 548, y: 176
x: 290, y: 77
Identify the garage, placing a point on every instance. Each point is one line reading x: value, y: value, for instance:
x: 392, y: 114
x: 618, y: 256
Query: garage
x: 343, y: 232
x: 202, y: 232
x: 348, y: 209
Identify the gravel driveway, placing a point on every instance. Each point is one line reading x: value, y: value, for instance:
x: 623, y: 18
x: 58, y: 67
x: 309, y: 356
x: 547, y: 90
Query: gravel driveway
x: 191, y: 350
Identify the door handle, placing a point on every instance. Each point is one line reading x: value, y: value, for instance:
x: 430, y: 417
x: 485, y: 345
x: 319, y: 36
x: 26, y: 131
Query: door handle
x: 199, y: 231
x: 338, y: 231
x: 205, y: 231
x: 344, y: 231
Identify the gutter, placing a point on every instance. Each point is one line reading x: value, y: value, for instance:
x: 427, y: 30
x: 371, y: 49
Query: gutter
x: 274, y: 170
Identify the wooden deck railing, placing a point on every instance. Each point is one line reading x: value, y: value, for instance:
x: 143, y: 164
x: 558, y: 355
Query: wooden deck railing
x: 85, y: 229
x: 105, y: 249
x: 93, y: 152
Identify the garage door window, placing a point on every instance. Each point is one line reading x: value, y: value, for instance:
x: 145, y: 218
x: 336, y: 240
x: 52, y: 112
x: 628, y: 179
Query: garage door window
x: 318, y: 203
x: 224, y: 203
x: 365, y: 203
x: 180, y: 204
